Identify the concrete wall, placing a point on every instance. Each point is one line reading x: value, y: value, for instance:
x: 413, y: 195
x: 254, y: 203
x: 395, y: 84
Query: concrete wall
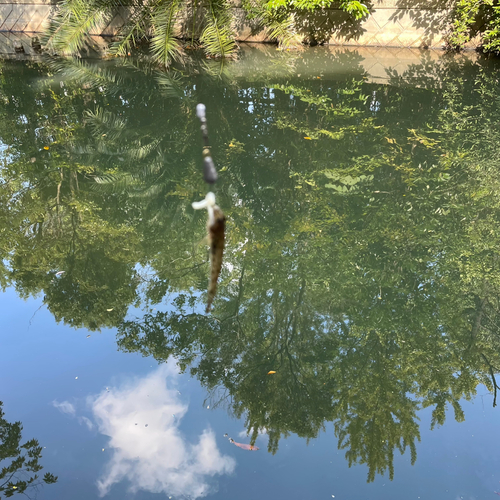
x: 391, y: 23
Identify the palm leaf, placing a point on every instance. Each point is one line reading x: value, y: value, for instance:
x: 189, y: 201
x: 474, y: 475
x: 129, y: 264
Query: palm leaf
x: 217, y: 36
x: 135, y: 29
x: 69, y: 29
x: 281, y: 27
x: 164, y: 46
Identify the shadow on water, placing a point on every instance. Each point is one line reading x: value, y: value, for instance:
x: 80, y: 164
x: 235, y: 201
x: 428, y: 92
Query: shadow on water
x: 361, y: 262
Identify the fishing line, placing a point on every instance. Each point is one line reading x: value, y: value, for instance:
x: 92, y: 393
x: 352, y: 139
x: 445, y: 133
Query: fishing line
x: 216, y: 223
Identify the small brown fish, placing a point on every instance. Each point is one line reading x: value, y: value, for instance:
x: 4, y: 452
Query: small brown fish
x: 216, y: 227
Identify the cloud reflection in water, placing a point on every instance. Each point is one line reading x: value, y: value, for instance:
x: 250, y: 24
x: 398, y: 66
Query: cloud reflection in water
x: 142, y: 420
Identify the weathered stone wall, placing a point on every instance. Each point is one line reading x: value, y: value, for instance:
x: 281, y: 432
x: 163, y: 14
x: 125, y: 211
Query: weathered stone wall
x: 24, y: 15
x: 391, y: 23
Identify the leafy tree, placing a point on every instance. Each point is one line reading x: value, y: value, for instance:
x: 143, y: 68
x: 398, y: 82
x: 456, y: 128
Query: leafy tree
x: 367, y: 310
x: 360, y: 267
x: 472, y: 18
x: 19, y: 474
x: 162, y: 23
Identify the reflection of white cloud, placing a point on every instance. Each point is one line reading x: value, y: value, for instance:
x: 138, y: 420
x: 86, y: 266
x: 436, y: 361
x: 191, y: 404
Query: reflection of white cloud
x: 142, y: 421
x: 64, y: 407
x: 87, y: 422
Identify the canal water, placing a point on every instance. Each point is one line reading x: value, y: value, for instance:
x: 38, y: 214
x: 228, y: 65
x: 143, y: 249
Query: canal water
x: 353, y: 346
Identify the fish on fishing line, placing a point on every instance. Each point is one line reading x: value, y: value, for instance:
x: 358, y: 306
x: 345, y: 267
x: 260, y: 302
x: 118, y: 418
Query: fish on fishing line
x: 216, y: 227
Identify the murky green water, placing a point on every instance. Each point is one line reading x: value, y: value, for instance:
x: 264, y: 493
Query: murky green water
x: 361, y: 266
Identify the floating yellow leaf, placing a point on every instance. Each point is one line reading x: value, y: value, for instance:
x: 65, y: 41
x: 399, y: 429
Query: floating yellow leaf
x: 271, y: 372
x: 46, y: 148
x: 109, y: 310
x: 308, y: 138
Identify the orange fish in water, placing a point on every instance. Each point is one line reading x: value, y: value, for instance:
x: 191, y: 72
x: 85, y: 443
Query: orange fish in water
x: 216, y: 227
x: 244, y: 446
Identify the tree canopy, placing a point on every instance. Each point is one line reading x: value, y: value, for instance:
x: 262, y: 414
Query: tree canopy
x: 361, y: 261
x: 18, y: 473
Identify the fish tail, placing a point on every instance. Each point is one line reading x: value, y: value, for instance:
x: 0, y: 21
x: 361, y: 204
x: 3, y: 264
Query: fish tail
x: 216, y: 231
x: 211, y: 295
x: 214, y: 276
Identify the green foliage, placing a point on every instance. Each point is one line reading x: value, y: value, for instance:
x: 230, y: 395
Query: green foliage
x: 75, y: 21
x: 361, y: 260
x: 217, y: 38
x: 283, y: 19
x: 491, y: 36
x: 473, y: 17
x: 69, y: 30
x: 19, y: 474
x: 355, y: 8
x: 164, y: 45
x: 280, y: 24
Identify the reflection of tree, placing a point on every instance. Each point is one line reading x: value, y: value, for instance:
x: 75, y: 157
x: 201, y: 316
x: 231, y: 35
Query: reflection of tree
x: 19, y: 474
x: 361, y: 285
x: 361, y: 267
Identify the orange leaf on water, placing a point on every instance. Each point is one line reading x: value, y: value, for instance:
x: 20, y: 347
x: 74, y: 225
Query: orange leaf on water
x: 271, y: 372
x: 307, y: 138
x: 46, y: 148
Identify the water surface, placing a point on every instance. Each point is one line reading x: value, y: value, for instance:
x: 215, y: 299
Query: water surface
x: 361, y: 266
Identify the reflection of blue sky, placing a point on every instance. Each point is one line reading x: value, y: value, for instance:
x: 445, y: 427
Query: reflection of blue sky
x: 39, y: 365
x: 142, y: 421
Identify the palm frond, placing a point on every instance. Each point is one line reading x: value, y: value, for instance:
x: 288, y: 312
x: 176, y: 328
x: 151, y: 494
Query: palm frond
x: 281, y: 27
x: 164, y: 46
x: 69, y: 29
x: 105, y: 122
x: 220, y: 70
x: 217, y: 37
x: 139, y: 151
x: 136, y: 28
x: 122, y: 182
x: 170, y: 85
x: 93, y: 76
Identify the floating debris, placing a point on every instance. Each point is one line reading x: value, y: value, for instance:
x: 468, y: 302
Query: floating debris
x: 271, y: 372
